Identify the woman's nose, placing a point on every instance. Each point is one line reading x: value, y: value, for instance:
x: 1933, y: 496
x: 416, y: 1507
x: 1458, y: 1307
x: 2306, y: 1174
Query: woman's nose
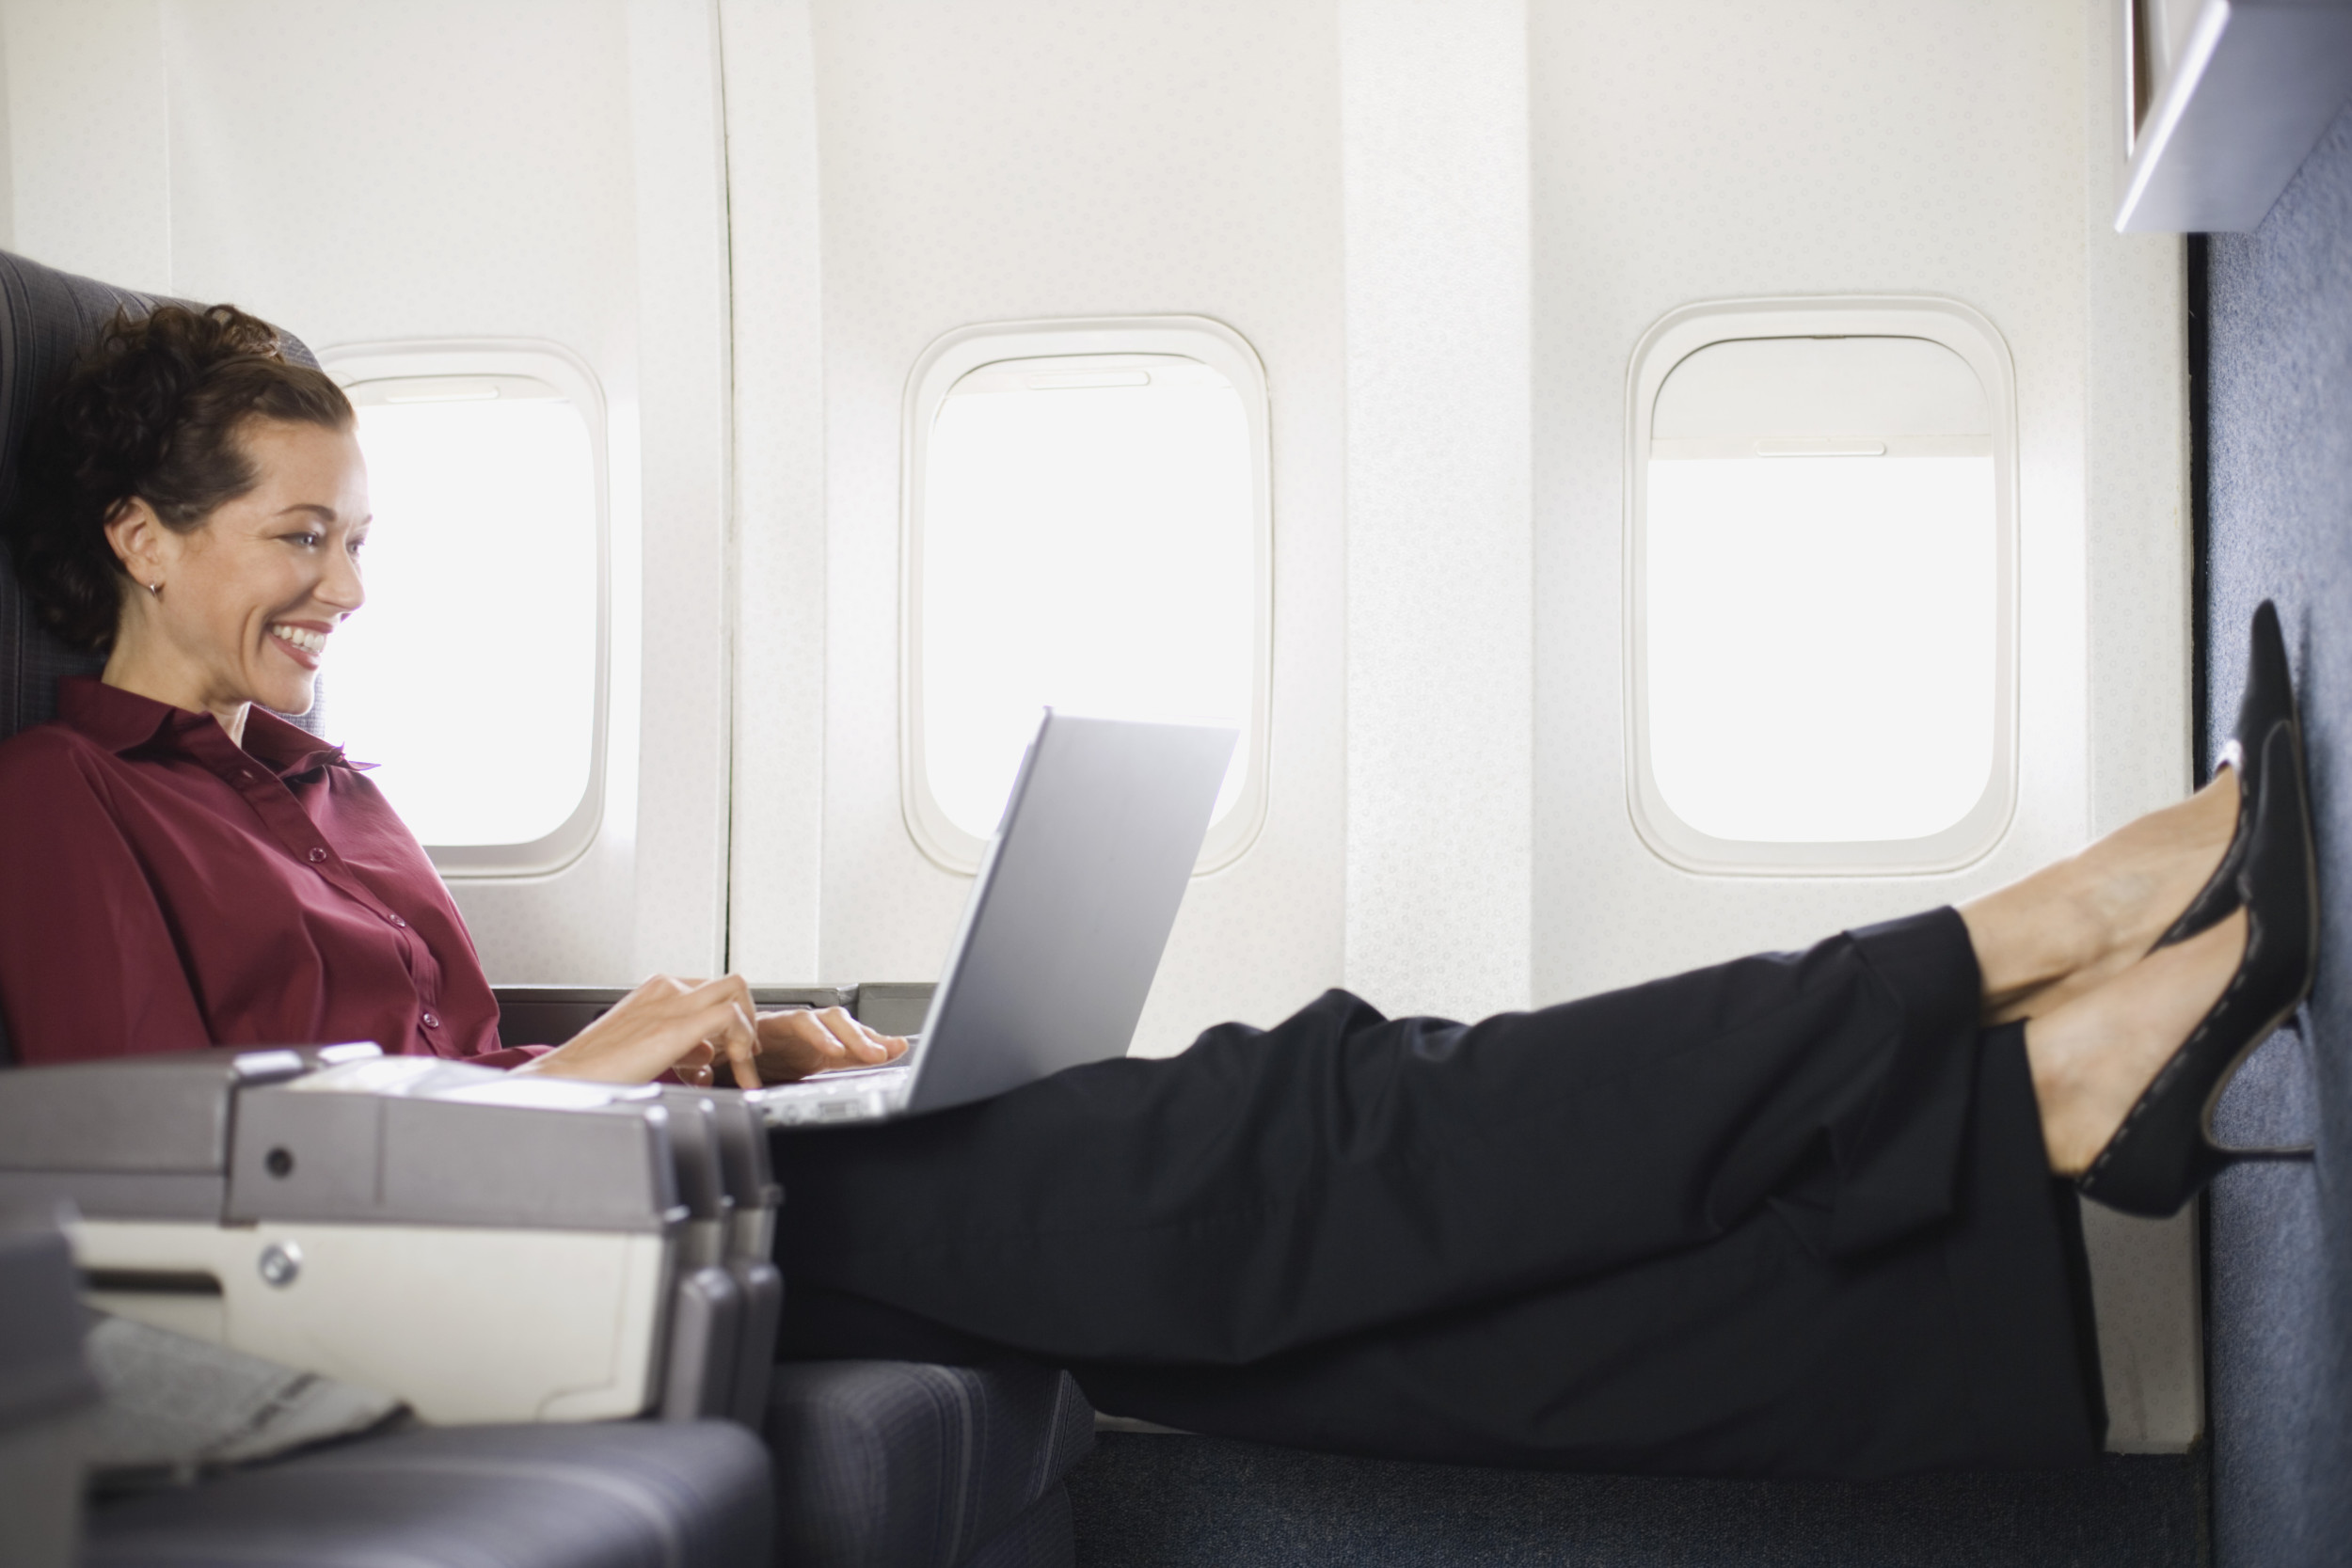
x: 343, y: 588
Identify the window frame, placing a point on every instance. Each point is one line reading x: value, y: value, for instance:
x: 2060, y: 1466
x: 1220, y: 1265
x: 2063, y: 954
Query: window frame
x: 1674, y: 338
x: 354, y: 365
x: 948, y: 361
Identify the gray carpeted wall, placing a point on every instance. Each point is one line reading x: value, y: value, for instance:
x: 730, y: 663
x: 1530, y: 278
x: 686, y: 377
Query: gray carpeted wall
x: 2278, y: 492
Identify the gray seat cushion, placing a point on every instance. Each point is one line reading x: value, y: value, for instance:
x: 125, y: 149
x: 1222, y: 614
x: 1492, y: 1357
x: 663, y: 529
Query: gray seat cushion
x: 910, y: 1466
x: 47, y: 318
x: 630, y: 1495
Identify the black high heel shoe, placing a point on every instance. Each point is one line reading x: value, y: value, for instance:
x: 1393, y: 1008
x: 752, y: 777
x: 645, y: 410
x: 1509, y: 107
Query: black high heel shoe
x: 2163, y: 1154
x: 2269, y: 701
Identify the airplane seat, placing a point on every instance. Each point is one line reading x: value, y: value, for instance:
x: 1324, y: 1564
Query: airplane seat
x: 509, y: 1495
x: 45, y: 1386
x: 287, y: 1205
x: 875, y: 1462
x: 544, y: 1496
x: 499, y: 1496
x: 597, y: 1253
x: 901, y: 1462
x: 47, y: 318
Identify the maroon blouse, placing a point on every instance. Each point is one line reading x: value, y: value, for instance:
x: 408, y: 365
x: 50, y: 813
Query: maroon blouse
x: 166, y: 890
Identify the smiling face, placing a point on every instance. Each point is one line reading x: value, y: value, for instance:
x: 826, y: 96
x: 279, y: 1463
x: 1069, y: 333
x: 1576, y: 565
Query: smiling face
x: 251, y: 596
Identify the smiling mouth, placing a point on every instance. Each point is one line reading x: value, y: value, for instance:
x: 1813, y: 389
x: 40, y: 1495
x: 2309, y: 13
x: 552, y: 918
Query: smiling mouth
x: 308, y: 646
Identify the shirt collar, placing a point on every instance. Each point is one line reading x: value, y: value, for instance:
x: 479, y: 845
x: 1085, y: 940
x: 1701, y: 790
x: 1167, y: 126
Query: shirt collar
x: 125, y: 722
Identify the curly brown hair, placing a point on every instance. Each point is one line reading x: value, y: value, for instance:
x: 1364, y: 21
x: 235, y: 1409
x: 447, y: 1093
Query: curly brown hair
x: 152, y: 413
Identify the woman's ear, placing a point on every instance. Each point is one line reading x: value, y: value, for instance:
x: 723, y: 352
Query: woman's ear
x: 140, y: 541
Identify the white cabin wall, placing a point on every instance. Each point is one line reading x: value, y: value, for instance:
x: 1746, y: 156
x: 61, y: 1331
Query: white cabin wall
x: 89, y: 137
x: 8, y: 158
x: 1032, y: 159
x: 686, y: 412
x: 1688, y: 150
x: 1691, y: 149
x: 777, y: 846
x: 534, y: 168
x: 2137, y: 514
x: 1440, y: 655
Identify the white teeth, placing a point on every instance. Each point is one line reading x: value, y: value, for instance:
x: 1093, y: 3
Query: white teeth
x: 308, y: 642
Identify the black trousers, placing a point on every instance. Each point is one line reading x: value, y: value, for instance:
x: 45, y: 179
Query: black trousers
x: 1790, y: 1216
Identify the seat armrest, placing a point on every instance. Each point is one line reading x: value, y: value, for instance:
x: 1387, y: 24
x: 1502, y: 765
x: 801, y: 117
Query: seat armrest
x: 46, y: 1385
x: 484, y: 1246
x: 549, y: 1015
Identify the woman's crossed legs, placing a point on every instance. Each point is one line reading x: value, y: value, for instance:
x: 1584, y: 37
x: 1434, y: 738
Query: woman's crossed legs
x: 1789, y: 1215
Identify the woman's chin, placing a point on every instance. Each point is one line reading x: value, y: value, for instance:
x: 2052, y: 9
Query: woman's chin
x: 292, y: 698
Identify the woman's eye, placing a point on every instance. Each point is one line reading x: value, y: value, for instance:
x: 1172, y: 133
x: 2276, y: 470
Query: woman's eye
x: 305, y: 540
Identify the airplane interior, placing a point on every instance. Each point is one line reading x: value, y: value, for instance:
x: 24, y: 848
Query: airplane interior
x: 1634, y: 485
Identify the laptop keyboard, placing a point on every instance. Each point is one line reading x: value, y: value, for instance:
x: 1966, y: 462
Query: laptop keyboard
x: 857, y: 1094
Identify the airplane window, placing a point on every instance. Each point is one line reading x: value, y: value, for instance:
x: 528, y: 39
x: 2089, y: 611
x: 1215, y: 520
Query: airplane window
x: 1821, y: 645
x: 473, y: 677
x: 1091, y: 536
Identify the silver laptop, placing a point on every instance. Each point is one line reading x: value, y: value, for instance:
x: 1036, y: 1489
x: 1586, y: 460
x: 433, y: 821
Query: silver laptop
x: 1064, y: 926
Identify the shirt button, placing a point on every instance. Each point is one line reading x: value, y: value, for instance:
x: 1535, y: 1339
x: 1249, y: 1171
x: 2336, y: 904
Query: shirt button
x: 397, y: 920
x: 432, y: 1021
x: 317, y: 855
x: 247, y: 775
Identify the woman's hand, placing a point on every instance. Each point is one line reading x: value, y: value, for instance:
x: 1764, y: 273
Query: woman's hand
x: 664, y: 1023
x: 805, y: 1040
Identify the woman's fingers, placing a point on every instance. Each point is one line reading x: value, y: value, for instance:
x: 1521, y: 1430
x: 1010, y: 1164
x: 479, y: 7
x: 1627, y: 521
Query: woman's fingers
x: 797, y: 1044
x: 724, y: 1011
x: 805, y: 1041
x: 865, y: 1044
x: 859, y: 1044
x: 666, y: 1024
x: 690, y: 1026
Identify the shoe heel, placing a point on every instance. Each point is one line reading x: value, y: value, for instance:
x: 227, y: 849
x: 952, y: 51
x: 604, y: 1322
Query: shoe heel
x: 2268, y: 701
x: 2235, y: 1152
x: 2164, y: 1153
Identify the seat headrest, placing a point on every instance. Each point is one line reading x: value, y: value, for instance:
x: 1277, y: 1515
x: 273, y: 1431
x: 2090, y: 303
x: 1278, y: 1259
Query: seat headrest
x: 48, y: 319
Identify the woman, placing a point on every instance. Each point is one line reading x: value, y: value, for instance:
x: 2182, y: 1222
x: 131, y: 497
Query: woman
x: 1792, y: 1214
x: 193, y: 870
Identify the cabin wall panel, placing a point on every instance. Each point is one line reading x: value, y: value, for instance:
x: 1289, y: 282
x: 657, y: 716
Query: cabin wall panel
x: 2278, y: 419
x: 685, y: 422
x: 1688, y: 150
x: 1040, y: 159
x: 89, y: 150
x: 1440, y: 655
x: 776, y: 849
x: 391, y: 182
x: 2137, y: 517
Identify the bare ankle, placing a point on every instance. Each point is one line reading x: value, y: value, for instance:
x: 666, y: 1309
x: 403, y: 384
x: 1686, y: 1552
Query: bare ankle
x: 2028, y: 936
x: 2070, y: 926
x: 2093, y: 1056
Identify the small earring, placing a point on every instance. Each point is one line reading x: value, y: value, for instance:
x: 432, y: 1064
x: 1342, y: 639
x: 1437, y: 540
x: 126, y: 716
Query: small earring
x: 156, y: 589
